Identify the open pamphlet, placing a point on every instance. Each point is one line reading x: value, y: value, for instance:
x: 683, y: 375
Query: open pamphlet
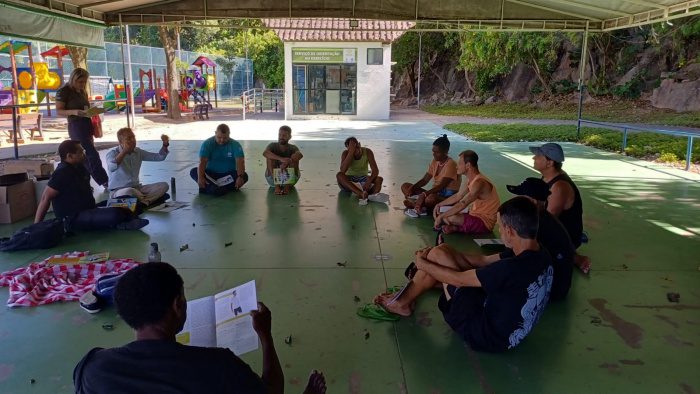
x: 92, y: 111
x: 168, y: 206
x: 222, y: 320
x: 284, y: 177
x: 488, y: 241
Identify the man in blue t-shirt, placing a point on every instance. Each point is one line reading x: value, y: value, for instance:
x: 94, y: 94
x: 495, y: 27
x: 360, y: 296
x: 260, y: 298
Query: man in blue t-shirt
x: 221, y: 164
x: 494, y: 306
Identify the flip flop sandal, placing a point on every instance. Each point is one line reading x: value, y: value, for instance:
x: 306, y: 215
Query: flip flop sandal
x: 410, y: 271
x: 376, y: 312
x: 439, y: 239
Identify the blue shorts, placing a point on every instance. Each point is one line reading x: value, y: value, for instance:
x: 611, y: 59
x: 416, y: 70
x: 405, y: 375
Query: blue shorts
x: 355, y: 179
x: 444, y: 193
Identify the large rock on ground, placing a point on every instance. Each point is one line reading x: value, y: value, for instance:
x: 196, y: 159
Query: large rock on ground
x: 678, y: 96
x: 519, y: 83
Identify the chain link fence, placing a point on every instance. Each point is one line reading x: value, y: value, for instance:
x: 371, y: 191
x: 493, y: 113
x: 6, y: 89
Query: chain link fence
x: 105, y: 64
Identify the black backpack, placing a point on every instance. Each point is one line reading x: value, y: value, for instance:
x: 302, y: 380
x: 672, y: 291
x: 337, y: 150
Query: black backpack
x: 43, y: 235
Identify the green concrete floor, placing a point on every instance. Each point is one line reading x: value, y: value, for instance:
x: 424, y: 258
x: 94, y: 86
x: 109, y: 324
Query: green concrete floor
x: 615, y: 333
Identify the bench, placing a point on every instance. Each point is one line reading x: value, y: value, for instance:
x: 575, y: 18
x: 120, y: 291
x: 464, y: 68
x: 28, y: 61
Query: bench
x: 31, y: 123
x: 7, y: 127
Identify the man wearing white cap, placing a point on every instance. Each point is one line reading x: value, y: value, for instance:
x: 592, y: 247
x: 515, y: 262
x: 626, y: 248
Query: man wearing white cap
x: 564, y: 202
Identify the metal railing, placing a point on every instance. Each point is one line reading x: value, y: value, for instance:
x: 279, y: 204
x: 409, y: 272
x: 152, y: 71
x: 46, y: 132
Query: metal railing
x: 17, y: 133
x: 258, y: 100
x: 626, y: 128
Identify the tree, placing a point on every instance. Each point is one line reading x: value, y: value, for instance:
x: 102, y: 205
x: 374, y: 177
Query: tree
x: 78, y: 55
x: 168, y: 36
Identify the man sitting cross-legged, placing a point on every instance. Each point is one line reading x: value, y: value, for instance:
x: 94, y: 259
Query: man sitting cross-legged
x: 71, y: 194
x: 124, y: 165
x: 443, y: 171
x: 283, y: 157
x: 479, y: 194
x: 151, y: 300
x: 221, y: 166
x: 355, y: 163
x: 492, y: 306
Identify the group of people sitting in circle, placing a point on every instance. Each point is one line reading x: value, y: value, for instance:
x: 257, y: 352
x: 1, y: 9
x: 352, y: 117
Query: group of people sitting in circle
x: 492, y: 302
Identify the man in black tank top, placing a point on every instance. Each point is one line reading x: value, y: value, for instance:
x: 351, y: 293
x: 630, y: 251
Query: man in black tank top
x: 564, y: 202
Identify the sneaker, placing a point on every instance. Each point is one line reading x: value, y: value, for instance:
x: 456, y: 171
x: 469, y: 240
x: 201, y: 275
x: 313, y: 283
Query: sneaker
x: 379, y: 197
x: 133, y: 224
x: 411, y: 213
x: 362, y: 201
x: 90, y: 302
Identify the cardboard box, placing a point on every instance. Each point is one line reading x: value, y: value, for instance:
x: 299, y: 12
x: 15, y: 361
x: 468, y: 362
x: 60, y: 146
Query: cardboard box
x: 17, y: 202
x: 37, y: 167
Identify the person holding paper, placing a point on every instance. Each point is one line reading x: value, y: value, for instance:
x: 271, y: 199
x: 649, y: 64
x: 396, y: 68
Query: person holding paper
x: 221, y: 166
x: 356, y: 162
x: 151, y: 300
x: 282, y: 162
x: 565, y: 201
x: 493, y: 306
x: 72, y: 102
x: 124, y: 165
x: 71, y: 194
x: 443, y: 171
x: 479, y: 194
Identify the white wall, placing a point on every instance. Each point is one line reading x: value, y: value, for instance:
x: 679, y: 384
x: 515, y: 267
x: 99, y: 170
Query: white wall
x: 373, y: 81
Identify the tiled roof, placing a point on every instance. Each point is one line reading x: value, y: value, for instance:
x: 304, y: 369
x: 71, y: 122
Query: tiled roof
x: 336, y: 29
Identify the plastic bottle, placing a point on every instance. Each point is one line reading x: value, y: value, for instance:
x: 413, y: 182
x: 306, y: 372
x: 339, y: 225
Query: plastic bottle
x: 154, y: 254
x: 173, y: 190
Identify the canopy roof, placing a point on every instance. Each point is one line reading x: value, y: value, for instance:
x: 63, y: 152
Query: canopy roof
x: 58, y: 50
x: 203, y: 60
x: 336, y: 29
x: 596, y: 15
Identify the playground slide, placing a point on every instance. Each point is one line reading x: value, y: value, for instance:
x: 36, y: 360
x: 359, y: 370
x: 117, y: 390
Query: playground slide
x: 109, y: 106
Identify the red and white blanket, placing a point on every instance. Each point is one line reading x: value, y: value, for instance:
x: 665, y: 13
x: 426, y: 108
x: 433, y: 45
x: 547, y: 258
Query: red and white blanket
x: 44, y: 283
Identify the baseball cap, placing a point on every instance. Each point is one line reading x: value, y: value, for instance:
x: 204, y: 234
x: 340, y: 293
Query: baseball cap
x: 551, y: 150
x: 531, y: 187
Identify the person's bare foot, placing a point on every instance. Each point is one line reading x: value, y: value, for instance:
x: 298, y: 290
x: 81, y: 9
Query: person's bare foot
x: 278, y: 190
x: 385, y: 300
x: 286, y: 189
x: 364, y: 195
x: 408, y: 204
x: 583, y: 263
x: 317, y: 383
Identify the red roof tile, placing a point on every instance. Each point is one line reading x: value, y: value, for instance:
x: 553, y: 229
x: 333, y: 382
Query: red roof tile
x: 336, y: 29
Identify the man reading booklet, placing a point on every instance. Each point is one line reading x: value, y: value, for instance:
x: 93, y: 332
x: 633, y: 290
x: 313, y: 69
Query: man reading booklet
x: 151, y: 300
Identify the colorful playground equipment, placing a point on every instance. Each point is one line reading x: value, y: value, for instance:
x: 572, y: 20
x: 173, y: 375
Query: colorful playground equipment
x: 31, y: 85
x: 143, y: 95
x: 197, y: 84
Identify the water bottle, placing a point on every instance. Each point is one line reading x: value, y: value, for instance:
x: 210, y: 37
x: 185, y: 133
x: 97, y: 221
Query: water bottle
x: 154, y: 254
x: 173, y: 189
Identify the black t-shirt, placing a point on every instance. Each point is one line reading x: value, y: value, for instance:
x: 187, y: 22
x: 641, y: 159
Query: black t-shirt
x: 571, y: 218
x: 553, y: 236
x: 74, y: 191
x: 517, y: 290
x: 162, y: 366
x: 72, y: 99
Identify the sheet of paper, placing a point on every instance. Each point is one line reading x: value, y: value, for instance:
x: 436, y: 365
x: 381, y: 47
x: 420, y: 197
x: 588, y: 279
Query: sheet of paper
x: 168, y: 206
x: 446, y: 208
x: 234, y: 325
x: 200, y: 328
x: 488, y: 241
x: 94, y: 111
x: 284, y: 177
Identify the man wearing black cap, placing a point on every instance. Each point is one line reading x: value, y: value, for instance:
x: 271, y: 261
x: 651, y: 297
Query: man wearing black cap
x: 564, y: 202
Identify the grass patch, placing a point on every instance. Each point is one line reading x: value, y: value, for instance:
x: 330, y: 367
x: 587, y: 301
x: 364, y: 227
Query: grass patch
x: 620, y: 111
x: 641, y: 145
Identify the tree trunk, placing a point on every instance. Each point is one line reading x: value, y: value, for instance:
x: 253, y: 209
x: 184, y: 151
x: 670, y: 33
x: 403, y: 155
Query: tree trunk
x: 545, y: 85
x: 412, y: 78
x: 78, y: 55
x: 469, y: 82
x: 168, y: 36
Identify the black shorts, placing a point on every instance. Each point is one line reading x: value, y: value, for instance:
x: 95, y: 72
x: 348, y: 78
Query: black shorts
x: 464, y: 313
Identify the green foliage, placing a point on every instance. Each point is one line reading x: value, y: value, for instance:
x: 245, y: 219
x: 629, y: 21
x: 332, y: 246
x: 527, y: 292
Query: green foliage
x: 564, y: 86
x: 616, y: 111
x: 642, y: 145
x: 629, y: 90
x: 668, y: 157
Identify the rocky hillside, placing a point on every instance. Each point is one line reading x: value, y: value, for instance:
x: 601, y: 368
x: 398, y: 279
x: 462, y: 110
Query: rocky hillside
x: 658, y: 64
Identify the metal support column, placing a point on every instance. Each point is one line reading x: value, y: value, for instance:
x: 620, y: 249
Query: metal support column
x: 116, y: 103
x: 15, y: 129
x: 130, y: 91
x: 420, y: 61
x: 581, y: 85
